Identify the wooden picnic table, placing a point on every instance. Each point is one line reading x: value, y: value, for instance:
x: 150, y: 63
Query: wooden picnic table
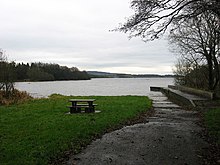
x: 79, y: 104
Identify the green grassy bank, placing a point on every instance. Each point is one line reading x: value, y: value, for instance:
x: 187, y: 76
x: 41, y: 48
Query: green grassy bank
x: 39, y: 130
x: 212, y: 121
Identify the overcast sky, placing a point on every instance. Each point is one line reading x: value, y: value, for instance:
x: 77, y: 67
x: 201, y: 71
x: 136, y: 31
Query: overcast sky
x: 76, y: 33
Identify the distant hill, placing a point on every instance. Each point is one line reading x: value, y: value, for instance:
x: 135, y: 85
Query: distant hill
x: 98, y: 74
x: 101, y: 74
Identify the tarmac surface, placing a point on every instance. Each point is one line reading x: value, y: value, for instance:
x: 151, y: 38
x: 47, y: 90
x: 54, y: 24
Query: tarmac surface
x: 170, y: 137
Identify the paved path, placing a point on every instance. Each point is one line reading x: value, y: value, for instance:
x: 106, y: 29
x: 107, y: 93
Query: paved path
x: 170, y: 137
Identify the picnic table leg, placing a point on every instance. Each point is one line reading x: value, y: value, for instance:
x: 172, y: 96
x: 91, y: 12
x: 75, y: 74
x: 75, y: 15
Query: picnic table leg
x: 91, y: 107
x: 87, y: 110
x: 78, y: 110
x: 74, y: 108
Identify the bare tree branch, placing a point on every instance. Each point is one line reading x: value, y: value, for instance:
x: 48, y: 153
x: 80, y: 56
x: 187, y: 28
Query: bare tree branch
x: 152, y: 18
x: 198, y: 40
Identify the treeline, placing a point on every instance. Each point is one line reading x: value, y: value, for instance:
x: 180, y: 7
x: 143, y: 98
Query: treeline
x: 46, y: 72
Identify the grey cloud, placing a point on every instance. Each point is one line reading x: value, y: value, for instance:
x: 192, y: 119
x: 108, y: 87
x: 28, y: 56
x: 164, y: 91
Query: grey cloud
x: 76, y: 33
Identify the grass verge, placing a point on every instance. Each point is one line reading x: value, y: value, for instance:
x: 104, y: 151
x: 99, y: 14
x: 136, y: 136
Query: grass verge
x: 38, y: 131
x: 212, y: 121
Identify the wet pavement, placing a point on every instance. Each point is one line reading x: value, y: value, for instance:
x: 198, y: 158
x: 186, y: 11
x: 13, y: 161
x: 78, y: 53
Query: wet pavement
x: 171, y: 136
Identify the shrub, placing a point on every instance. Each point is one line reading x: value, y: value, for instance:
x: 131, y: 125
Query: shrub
x: 15, y: 97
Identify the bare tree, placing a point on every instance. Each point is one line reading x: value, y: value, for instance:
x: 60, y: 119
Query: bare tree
x: 198, y: 41
x: 153, y: 17
x: 2, y: 60
x: 188, y: 74
x: 182, y: 69
x: 198, y: 45
x: 6, y: 75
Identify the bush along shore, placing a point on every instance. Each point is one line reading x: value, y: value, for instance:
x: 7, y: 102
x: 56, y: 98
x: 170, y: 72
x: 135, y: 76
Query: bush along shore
x: 15, y: 97
x: 40, y: 130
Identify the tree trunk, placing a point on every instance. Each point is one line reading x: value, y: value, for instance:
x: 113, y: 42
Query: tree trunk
x: 210, y: 71
x: 216, y: 66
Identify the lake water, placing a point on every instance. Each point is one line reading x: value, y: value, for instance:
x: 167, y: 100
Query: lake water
x: 95, y: 87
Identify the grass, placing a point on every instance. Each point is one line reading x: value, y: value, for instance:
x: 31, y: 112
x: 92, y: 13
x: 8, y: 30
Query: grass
x: 40, y: 130
x: 212, y: 120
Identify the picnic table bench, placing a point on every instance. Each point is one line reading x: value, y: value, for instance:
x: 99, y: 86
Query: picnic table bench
x: 82, y: 104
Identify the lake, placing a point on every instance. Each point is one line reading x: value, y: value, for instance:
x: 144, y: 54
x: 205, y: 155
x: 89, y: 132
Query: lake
x: 95, y: 87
